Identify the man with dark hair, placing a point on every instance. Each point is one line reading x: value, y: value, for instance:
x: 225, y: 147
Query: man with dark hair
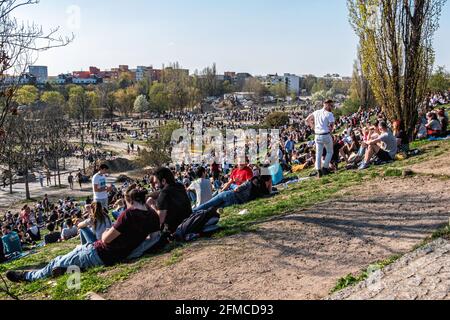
x: 172, y: 202
x: 202, y: 187
x: 384, y: 147
x: 70, y: 231
x: 99, y: 186
x: 52, y: 237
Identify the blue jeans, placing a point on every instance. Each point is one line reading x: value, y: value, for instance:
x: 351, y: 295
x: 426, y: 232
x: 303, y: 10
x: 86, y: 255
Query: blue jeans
x: 83, y: 257
x: 222, y: 200
x: 87, y: 236
x: 321, y: 143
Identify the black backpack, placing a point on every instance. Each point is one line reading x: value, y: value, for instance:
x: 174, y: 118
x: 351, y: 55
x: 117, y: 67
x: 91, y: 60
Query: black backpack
x: 197, y: 224
x: 2, y: 253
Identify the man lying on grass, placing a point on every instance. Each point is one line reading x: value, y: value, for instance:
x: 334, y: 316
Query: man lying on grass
x: 117, y: 243
x: 256, y: 188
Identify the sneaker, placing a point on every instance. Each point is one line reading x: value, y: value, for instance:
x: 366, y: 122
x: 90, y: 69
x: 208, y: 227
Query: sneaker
x: 320, y: 173
x: 16, y: 276
x: 363, y: 166
x: 326, y: 171
x: 58, y: 272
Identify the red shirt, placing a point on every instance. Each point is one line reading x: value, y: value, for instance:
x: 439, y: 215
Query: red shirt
x: 241, y: 175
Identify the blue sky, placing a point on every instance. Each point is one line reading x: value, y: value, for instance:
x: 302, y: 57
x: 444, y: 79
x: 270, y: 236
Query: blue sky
x: 255, y: 36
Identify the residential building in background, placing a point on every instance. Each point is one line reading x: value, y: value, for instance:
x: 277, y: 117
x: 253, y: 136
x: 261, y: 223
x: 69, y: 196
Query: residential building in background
x: 292, y: 83
x: 40, y: 73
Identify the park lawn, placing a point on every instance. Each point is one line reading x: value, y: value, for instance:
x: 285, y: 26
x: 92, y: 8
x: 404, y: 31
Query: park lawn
x: 295, y: 198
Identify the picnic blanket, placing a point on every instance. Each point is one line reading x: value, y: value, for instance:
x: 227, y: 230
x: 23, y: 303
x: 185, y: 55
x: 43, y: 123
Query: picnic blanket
x: 439, y: 139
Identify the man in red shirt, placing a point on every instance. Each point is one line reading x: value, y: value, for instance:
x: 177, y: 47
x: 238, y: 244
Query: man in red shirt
x: 239, y: 176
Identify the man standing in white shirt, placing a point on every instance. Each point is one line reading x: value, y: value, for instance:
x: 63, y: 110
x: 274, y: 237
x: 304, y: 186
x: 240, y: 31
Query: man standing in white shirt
x: 323, y: 123
x: 99, y: 186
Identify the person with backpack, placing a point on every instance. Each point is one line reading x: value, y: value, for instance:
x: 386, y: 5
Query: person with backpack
x: 93, y: 228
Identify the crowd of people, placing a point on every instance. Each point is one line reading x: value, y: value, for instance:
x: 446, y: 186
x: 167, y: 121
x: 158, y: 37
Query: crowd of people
x: 125, y: 222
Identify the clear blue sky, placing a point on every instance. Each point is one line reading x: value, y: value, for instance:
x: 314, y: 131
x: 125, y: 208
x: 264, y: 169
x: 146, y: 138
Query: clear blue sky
x: 255, y: 36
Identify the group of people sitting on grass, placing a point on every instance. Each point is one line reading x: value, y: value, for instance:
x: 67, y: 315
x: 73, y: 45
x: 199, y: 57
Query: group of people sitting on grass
x: 149, y: 213
x: 149, y: 221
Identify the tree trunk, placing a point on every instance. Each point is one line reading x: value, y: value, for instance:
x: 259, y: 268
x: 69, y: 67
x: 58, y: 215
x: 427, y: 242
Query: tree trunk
x: 58, y: 170
x: 10, y: 180
x: 27, y: 186
x: 54, y: 177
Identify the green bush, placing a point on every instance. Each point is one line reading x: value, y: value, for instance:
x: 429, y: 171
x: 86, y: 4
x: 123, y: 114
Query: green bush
x: 277, y: 120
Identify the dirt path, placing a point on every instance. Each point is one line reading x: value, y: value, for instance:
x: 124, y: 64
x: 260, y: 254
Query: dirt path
x: 301, y: 256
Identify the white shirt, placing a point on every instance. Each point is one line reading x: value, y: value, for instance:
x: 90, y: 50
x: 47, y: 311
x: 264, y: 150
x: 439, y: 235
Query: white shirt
x: 203, y: 190
x: 323, y: 119
x: 100, y: 180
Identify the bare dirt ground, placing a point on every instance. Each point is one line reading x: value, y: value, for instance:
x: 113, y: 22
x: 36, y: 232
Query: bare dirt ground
x: 438, y: 166
x: 301, y: 256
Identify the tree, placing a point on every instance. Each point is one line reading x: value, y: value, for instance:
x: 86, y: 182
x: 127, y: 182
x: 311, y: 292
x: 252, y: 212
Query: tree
x: 9, y: 154
x: 125, y: 100
x: 308, y: 83
x: 360, y: 89
x: 105, y: 92
x: 256, y: 87
x: 279, y: 90
x: 277, y: 120
x: 19, y: 44
x: 53, y: 99
x: 158, y: 150
x: 94, y: 104
x: 159, y: 100
x: 79, y: 104
x: 143, y: 87
x: 27, y: 95
x: 396, y: 40
x: 440, y: 80
x: 55, y: 138
x: 25, y: 136
x: 141, y: 104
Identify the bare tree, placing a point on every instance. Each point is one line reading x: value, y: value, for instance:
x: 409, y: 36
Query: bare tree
x: 54, y: 138
x: 8, y: 152
x: 25, y: 135
x: 19, y: 44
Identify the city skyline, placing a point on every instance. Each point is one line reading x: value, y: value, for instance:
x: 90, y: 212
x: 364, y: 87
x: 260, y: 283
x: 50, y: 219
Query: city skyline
x: 300, y: 37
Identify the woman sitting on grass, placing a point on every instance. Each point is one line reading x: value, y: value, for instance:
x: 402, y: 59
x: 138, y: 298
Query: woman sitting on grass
x: 116, y: 245
x: 93, y: 228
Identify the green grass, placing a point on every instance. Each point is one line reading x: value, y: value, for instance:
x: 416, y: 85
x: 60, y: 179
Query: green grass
x: 393, y: 172
x: 295, y: 198
x: 351, y: 280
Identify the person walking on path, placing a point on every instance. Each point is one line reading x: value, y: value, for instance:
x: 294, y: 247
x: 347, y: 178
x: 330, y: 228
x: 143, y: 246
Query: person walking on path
x: 70, y: 180
x: 323, y: 123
